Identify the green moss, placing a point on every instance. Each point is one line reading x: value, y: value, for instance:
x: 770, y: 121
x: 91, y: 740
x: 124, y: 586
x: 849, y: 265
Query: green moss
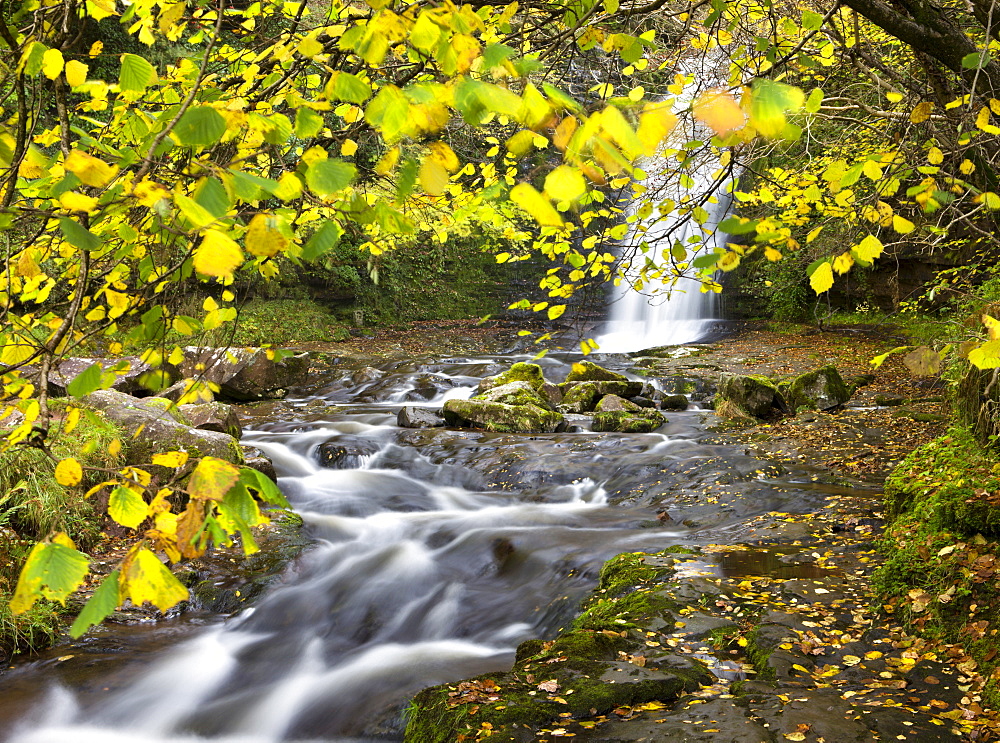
x: 625, y: 421
x: 820, y: 388
x: 587, y: 371
x: 495, y: 416
x: 520, y: 372
x: 757, y: 655
x: 629, y: 611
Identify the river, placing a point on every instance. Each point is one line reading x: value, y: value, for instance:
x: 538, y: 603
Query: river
x: 435, y: 552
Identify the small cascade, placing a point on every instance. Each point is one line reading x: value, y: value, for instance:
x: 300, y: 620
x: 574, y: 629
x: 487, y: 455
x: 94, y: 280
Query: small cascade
x: 666, y: 313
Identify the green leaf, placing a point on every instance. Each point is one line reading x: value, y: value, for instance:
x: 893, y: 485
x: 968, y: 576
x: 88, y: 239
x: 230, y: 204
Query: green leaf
x: 280, y: 129
x: 390, y: 112
x: 344, y: 86
x: 211, y: 196
x: 78, y: 236
x: 323, y: 240
x: 148, y: 579
x: 707, y: 260
x: 495, y: 54
x: 770, y: 101
x: 325, y: 177
x: 200, y: 125
x: 811, y: 21
x: 738, y: 225
x: 52, y: 571
x: 307, y: 123
x: 194, y: 212
x: 127, y: 507
x: 267, y: 491
x: 86, y: 381
x: 101, y: 605
x: 976, y: 60
x: 814, y: 101
x: 136, y: 73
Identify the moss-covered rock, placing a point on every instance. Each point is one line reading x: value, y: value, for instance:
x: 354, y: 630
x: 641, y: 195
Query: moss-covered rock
x: 626, y: 421
x: 587, y: 371
x: 520, y: 372
x: 674, y: 402
x: 582, y: 397
x: 514, y: 393
x: 496, y: 416
x: 750, y: 395
x: 977, y: 403
x: 614, y: 403
x: 586, y: 670
x: 820, y: 389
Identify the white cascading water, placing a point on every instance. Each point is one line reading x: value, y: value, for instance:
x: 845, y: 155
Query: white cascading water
x: 665, y: 313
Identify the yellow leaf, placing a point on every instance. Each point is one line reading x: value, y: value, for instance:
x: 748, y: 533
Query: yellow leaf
x: 96, y: 48
x: 564, y: 132
x: 212, y: 478
x: 868, y: 249
x: 145, y: 578
x: 217, y: 255
x: 71, y: 419
x: 171, y: 459
x: 433, y: 176
x: 52, y: 63
x: 992, y: 327
x: 822, y: 278
x: 348, y: 148
x: 728, y: 261
x: 69, y: 472
x: 263, y: 239
x: 901, y: 225
x: 77, y: 202
x: 535, y: 204
x: 935, y: 156
x: 444, y: 155
x: 772, y: 254
x: 843, y: 262
x: 115, y: 447
x: 719, y: 110
x: 921, y: 112
x: 89, y: 169
x: 289, y: 187
x: 872, y: 170
x: 967, y: 167
x: 813, y: 234
x: 565, y: 183
x: 76, y: 73
x: 388, y: 161
x: 149, y: 192
x: 795, y: 736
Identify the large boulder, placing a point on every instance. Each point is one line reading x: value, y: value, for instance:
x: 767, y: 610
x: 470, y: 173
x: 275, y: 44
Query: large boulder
x: 213, y: 416
x: 628, y: 421
x: 151, y: 425
x: 411, y: 416
x: 496, y: 416
x: 820, y: 389
x: 245, y: 373
x: 587, y: 371
x: 582, y: 397
x: 753, y: 396
x: 514, y: 393
x: 346, y: 452
x: 131, y: 374
x: 614, y: 404
x: 187, y: 391
x: 519, y: 372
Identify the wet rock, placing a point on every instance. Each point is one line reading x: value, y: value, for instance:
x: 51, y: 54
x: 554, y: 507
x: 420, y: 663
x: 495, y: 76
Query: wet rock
x: 152, y: 427
x: 820, y: 389
x: 644, y: 402
x: 514, y: 393
x: 366, y: 375
x: 255, y: 459
x: 674, y: 402
x: 132, y: 374
x: 415, y: 417
x: 613, y: 403
x: 213, y: 416
x: 625, y: 421
x: 582, y: 397
x: 245, y: 373
x: 587, y: 371
x: 519, y: 372
x: 346, y: 452
x: 752, y: 396
x: 495, y: 416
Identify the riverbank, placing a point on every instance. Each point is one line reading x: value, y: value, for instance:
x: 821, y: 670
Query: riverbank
x: 794, y: 621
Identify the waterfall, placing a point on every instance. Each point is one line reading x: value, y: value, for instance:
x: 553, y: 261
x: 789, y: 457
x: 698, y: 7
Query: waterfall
x: 668, y: 312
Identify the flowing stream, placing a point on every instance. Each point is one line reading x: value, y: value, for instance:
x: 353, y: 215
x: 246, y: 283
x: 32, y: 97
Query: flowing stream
x: 436, y: 551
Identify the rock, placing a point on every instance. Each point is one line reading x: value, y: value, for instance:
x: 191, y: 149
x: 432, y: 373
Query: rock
x: 411, y: 416
x: 888, y: 402
x: 753, y: 396
x: 587, y: 371
x: 245, y: 373
x: 861, y: 380
x: 674, y: 402
x: 496, y: 416
x: 519, y: 372
x: 514, y: 393
x: 644, y: 402
x: 132, y: 374
x: 346, y: 452
x: 366, y: 375
x: 820, y: 389
x: 152, y: 427
x: 255, y: 459
x: 213, y: 416
x: 582, y: 397
x: 10, y: 418
x: 625, y: 421
x: 613, y: 403
x: 195, y: 391
x: 977, y: 403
